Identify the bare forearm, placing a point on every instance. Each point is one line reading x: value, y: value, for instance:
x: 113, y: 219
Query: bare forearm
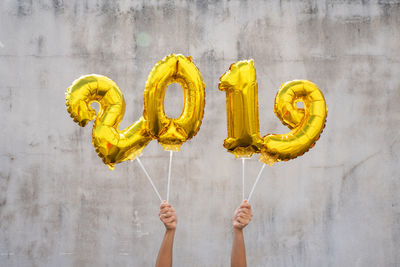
x: 238, y: 256
x: 164, y: 258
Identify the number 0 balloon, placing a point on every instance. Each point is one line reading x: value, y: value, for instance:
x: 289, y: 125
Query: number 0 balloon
x: 114, y: 145
x: 171, y: 133
x: 243, y: 140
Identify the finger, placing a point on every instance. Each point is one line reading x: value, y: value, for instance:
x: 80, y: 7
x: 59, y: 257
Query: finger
x: 242, y: 215
x: 245, y: 205
x: 165, y: 210
x: 169, y: 220
x: 237, y: 215
x: 245, y: 215
x: 170, y: 209
x: 245, y: 211
x: 164, y: 203
x: 163, y: 217
x: 168, y: 214
x: 245, y: 202
x: 242, y: 221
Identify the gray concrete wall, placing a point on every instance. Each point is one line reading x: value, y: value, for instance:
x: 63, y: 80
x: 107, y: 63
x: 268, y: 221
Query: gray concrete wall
x: 337, y: 205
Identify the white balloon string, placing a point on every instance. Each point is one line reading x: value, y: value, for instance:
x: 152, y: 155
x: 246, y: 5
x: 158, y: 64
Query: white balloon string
x: 169, y: 174
x: 149, y: 178
x: 255, y: 183
x: 243, y: 161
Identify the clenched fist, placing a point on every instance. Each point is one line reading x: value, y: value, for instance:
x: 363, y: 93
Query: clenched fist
x: 168, y: 215
x: 242, y: 216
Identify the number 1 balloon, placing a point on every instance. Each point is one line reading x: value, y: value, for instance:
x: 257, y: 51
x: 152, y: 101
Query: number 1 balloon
x: 243, y: 140
x: 114, y: 145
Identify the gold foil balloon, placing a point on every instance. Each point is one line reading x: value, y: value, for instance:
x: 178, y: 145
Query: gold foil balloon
x: 114, y: 146
x: 240, y: 85
x: 306, y: 123
x: 243, y: 139
x: 172, y: 133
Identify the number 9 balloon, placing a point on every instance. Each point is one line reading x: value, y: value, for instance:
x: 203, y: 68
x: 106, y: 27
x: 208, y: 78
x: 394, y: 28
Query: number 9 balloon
x: 113, y: 145
x: 243, y: 140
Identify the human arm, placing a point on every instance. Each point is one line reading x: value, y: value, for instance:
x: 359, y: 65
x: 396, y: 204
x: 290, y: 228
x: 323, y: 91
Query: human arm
x: 168, y: 217
x: 241, y: 219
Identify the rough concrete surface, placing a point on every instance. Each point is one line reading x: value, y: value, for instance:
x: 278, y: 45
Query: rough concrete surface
x: 337, y: 205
